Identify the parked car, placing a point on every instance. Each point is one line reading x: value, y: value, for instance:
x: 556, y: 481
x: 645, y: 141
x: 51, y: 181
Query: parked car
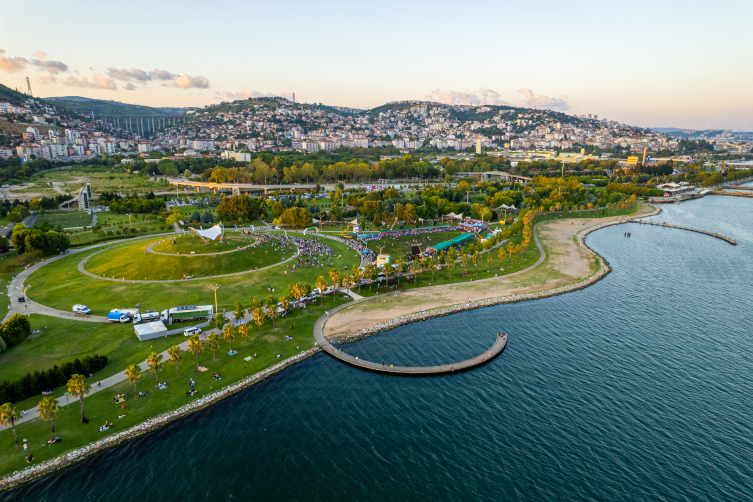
x: 191, y: 331
x: 21, y: 299
x: 81, y: 309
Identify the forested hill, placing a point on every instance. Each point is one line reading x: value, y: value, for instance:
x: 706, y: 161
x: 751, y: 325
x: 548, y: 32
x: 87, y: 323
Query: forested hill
x: 87, y: 106
x: 8, y: 95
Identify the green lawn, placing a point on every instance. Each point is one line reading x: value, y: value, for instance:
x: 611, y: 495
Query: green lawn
x: 100, y: 406
x: 53, y: 288
x: 66, y: 219
x: 131, y: 261
x: 101, y: 179
x: 400, y: 247
x: 186, y: 244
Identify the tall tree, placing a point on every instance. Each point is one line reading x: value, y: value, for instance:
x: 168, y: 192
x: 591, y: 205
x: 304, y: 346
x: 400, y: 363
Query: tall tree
x: 133, y: 373
x: 271, y: 305
x: 48, y: 408
x: 321, y: 283
x: 8, y: 414
x: 154, y: 362
x: 175, y: 358
x: 229, y: 335
x: 77, y: 387
x: 196, y: 347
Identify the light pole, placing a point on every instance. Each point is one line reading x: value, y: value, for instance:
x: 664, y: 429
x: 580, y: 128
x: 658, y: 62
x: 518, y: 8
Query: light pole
x: 215, y: 287
x: 129, y: 219
x: 66, y: 399
x: 26, y: 300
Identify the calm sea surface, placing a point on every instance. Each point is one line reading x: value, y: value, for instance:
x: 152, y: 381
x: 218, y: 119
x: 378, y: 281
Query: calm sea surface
x: 637, y: 388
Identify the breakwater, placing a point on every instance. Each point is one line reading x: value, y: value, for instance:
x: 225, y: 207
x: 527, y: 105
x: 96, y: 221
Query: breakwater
x: 690, y: 229
x: 35, y: 471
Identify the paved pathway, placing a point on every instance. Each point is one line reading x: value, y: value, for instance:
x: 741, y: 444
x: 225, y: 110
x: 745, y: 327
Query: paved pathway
x: 690, y: 229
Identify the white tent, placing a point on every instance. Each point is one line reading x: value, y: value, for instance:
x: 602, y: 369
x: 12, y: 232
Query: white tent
x: 150, y: 330
x: 505, y: 206
x: 210, y: 233
x: 453, y: 215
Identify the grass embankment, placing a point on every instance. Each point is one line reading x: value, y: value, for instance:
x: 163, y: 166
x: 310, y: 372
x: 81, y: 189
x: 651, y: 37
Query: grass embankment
x: 65, y: 219
x: 190, y: 243
x: 101, y: 179
x: 51, y: 287
x: 100, y: 407
x: 131, y: 261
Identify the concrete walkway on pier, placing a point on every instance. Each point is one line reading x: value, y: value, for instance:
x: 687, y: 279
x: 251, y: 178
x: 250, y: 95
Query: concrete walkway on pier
x: 690, y: 229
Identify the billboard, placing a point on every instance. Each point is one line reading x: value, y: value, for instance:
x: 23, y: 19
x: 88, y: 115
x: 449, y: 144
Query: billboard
x: 632, y: 161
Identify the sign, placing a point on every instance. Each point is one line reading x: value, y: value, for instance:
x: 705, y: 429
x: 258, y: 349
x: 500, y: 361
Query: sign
x: 632, y: 161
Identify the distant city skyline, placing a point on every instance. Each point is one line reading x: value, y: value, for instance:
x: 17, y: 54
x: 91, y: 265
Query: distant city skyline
x: 667, y: 64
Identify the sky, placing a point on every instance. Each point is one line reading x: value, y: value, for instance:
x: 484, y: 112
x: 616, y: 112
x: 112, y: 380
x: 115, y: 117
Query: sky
x: 652, y: 63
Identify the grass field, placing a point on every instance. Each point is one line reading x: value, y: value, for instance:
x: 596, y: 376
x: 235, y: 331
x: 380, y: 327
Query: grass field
x: 190, y: 243
x: 100, y: 406
x: 66, y: 219
x: 399, y: 247
x: 102, y: 180
x: 55, y: 289
x: 132, y: 262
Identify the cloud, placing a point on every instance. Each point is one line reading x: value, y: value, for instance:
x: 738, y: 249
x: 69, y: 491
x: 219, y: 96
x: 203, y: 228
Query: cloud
x: 135, y: 74
x: 483, y: 96
x: 49, y: 66
x: 48, y: 79
x: 185, y: 81
x: 541, y: 101
x: 245, y: 94
x: 130, y: 87
x: 98, y: 81
x: 12, y: 65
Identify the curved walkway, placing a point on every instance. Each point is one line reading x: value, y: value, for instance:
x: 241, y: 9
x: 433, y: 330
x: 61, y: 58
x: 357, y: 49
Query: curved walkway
x: 690, y: 229
x: 83, y: 270
x: 499, y: 344
x: 150, y: 250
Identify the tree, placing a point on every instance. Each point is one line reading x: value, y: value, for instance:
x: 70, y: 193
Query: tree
x: 133, y: 373
x: 416, y: 269
x: 229, y: 335
x: 321, y: 283
x: 452, y: 255
x: 220, y: 321
x: 213, y: 344
x: 489, y: 261
x: 357, y: 275
x: 175, y: 216
x: 334, y: 275
x: 306, y: 290
x: 238, y: 313
x: 254, y: 304
x: 474, y: 258
x: 296, y: 290
x: 175, y: 358
x: 432, y: 265
x: 8, y: 414
x: 464, y: 259
x: 196, y: 347
x: 154, y: 362
x: 77, y: 387
x: 370, y: 272
x: 259, y: 318
x: 48, y: 408
x: 295, y: 217
x: 243, y: 330
x: 401, y: 268
x: 239, y: 207
x: 284, y: 303
x: 271, y: 305
x: 16, y: 329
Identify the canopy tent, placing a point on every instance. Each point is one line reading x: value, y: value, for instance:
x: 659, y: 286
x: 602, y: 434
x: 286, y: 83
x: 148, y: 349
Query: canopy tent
x: 509, y: 208
x: 456, y: 216
x: 210, y: 233
x: 457, y: 241
x: 150, y: 330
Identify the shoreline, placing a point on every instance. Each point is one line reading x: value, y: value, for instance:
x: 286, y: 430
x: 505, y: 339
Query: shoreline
x: 35, y: 471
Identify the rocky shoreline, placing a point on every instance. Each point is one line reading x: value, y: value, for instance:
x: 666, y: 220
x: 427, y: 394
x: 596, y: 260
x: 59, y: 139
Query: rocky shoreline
x: 150, y: 425
x: 46, y: 467
x: 604, y: 269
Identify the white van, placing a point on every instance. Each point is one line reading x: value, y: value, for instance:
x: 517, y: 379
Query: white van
x: 81, y: 310
x: 191, y: 331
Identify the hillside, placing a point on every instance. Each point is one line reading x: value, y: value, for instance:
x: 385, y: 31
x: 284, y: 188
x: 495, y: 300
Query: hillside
x: 8, y: 95
x: 86, y: 106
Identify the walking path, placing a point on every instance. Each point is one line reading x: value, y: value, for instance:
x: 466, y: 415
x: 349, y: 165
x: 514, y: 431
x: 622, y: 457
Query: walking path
x: 150, y: 250
x: 690, y: 229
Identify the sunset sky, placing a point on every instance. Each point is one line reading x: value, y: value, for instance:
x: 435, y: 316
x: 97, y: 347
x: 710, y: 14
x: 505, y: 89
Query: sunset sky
x: 649, y: 63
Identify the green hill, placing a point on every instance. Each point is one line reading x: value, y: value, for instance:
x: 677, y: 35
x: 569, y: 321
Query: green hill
x: 86, y: 106
x: 8, y: 95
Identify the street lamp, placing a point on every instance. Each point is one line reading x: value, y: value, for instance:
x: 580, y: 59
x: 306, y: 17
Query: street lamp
x: 215, y: 287
x: 129, y: 219
x: 26, y: 300
x: 66, y: 399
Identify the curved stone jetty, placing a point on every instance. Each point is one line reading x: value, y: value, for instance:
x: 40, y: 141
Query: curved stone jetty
x: 499, y: 344
x: 689, y: 229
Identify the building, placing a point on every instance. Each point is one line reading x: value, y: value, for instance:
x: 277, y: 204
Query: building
x: 26, y: 150
x: 144, y: 146
x: 237, y: 156
x: 201, y: 144
x: 35, y: 132
x: 5, y: 152
x: 108, y: 147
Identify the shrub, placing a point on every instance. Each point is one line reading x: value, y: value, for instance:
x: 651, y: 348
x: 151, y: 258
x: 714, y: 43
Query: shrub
x: 15, y: 330
x: 34, y: 383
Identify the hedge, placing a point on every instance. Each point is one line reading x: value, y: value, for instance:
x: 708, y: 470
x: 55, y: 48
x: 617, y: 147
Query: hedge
x: 33, y: 384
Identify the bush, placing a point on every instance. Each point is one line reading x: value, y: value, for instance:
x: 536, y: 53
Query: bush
x: 15, y: 330
x: 33, y: 384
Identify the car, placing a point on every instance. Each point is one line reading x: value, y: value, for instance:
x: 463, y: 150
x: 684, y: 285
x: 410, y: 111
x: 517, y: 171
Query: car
x: 81, y: 309
x: 5, y: 186
x: 191, y: 331
x: 21, y: 299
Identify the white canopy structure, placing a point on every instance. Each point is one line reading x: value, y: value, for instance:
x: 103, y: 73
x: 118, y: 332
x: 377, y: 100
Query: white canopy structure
x: 505, y: 206
x: 456, y: 216
x: 210, y: 233
x: 150, y: 330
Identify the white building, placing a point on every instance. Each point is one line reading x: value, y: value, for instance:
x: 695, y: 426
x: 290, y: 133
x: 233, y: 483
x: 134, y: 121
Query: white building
x: 144, y: 147
x: 239, y: 156
x: 5, y: 152
x: 202, y: 144
x: 35, y: 132
x: 108, y: 147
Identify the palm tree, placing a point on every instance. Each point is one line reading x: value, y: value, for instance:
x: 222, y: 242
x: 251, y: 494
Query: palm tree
x: 238, y: 314
x: 433, y: 265
x: 510, y: 248
x: 259, y: 318
x: 296, y: 291
x: 133, y: 373
x: 253, y: 304
x: 357, y: 274
x: 450, y: 266
x: 229, y: 336
x: 334, y: 274
x: 154, y: 361
x: 213, y: 344
x: 489, y: 261
x: 8, y: 414
x: 370, y: 273
x: 306, y: 289
x: 196, y: 346
x: 48, y: 408
x: 474, y: 258
x: 77, y: 387
x: 175, y: 358
x: 464, y: 259
x: 416, y: 268
x: 284, y: 303
x: 321, y: 283
x: 271, y: 305
x: 243, y: 330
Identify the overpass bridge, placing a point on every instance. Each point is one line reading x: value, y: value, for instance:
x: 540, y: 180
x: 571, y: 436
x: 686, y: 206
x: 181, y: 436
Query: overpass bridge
x: 237, y: 188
